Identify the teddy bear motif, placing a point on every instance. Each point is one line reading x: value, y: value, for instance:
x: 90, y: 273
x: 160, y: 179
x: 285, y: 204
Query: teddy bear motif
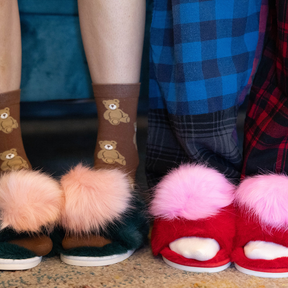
x: 12, y: 161
x: 113, y: 113
x: 7, y: 122
x: 109, y: 154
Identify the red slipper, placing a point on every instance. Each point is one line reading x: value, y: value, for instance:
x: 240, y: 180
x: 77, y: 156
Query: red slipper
x: 193, y: 200
x: 262, y: 215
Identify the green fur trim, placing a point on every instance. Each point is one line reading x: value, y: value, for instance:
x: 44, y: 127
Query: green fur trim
x: 132, y: 229
x: 56, y: 236
x: 9, y: 234
x: 12, y: 251
x: 128, y: 233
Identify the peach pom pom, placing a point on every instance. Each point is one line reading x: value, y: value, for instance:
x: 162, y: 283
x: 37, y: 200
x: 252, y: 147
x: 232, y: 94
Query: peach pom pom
x: 29, y: 200
x: 93, y: 198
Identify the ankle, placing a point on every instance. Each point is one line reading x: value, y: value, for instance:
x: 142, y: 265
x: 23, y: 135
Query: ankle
x: 117, y: 113
x: 12, y: 153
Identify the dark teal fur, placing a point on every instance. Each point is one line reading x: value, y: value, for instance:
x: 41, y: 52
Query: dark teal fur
x: 128, y: 233
x: 11, y: 251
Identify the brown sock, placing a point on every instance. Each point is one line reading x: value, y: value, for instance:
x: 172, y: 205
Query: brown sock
x: 13, y: 157
x: 74, y: 241
x: 117, y: 115
x: 116, y: 146
x: 12, y: 153
x: 41, y: 245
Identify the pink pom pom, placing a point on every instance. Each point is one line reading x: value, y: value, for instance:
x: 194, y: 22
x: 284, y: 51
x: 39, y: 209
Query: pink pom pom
x: 93, y: 198
x: 265, y: 196
x: 192, y: 192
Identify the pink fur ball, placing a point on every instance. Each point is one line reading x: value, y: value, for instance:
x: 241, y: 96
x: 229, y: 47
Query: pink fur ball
x: 192, y: 192
x: 29, y: 200
x: 265, y: 196
x: 93, y: 198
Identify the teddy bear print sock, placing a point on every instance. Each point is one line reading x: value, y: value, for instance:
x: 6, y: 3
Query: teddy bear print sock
x: 12, y: 153
x: 20, y: 188
x: 104, y: 194
x: 117, y: 112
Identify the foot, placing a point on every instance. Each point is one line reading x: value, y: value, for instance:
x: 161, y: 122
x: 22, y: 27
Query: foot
x: 40, y: 245
x: 201, y: 249
x: 265, y: 250
x: 70, y: 242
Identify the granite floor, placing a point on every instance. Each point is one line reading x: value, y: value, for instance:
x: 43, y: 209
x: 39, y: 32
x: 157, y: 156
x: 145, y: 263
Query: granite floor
x: 141, y: 270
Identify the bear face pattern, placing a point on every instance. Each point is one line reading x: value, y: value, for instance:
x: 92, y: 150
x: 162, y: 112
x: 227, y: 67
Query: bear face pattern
x: 7, y: 122
x: 109, y: 154
x: 12, y: 161
x: 113, y: 113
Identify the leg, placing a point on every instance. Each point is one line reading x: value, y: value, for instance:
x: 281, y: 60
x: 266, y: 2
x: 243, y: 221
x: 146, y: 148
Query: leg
x: 10, y: 46
x: 10, y: 77
x: 18, y: 186
x: 113, y: 33
x: 195, y: 92
x: 265, y: 153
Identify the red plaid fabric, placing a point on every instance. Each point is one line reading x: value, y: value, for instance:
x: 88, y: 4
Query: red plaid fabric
x: 266, y: 124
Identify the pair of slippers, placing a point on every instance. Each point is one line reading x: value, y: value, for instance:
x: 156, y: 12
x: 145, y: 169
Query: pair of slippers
x: 91, y: 218
x: 203, y: 223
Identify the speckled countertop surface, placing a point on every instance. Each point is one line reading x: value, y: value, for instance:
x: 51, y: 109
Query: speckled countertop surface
x: 140, y: 270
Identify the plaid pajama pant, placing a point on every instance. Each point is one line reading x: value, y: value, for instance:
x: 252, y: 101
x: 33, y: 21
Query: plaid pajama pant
x: 266, y: 125
x: 203, y: 58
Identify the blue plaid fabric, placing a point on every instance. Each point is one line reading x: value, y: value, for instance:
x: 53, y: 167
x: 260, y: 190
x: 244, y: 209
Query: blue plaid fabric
x: 203, y: 58
x: 202, y: 54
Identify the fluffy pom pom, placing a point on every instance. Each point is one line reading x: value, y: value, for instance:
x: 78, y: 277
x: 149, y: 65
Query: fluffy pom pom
x: 29, y: 200
x: 192, y: 192
x: 266, y: 197
x: 93, y: 198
